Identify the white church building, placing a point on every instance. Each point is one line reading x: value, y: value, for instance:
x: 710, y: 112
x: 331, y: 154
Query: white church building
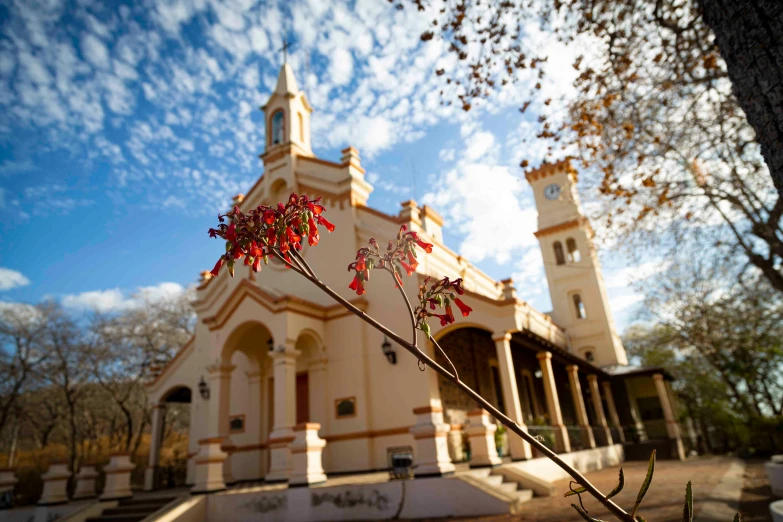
x: 274, y: 356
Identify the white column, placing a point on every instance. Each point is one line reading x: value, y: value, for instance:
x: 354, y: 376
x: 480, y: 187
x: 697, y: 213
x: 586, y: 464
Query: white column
x: 520, y: 450
x: 210, y: 458
x: 85, y: 482
x: 317, y: 388
x: 579, y: 406
x: 553, y: 402
x: 254, y: 420
x: 156, y: 434
x: 284, y: 368
x: 672, y: 429
x: 607, y: 386
x: 481, y: 434
x: 306, y: 449
x: 598, y: 406
x: 432, y: 452
x: 55, y: 484
x: 118, y: 477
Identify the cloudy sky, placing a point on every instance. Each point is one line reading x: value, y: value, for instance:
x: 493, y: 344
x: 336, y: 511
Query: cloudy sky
x: 126, y: 126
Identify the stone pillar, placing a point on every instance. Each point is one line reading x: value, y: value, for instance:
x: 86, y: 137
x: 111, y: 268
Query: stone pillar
x: 55, y: 484
x: 253, y: 422
x: 319, y: 411
x: 210, y: 458
x: 481, y: 434
x: 432, y: 452
x: 284, y: 413
x: 156, y: 434
x: 636, y: 418
x: 553, y: 403
x: 306, y: 449
x: 579, y: 406
x: 598, y: 406
x: 672, y: 429
x: 520, y: 450
x: 228, y: 447
x: 118, y: 477
x: 607, y: 386
x: 85, y: 482
x: 7, y: 478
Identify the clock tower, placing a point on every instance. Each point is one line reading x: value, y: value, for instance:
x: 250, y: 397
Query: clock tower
x: 576, y: 286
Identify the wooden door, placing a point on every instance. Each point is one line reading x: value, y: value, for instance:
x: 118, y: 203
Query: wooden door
x: 302, y: 398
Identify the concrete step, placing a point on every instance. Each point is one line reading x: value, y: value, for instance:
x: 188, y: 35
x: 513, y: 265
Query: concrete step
x: 160, y: 501
x: 509, y: 487
x: 493, y: 480
x: 524, y: 495
x: 132, y: 510
x: 117, y: 518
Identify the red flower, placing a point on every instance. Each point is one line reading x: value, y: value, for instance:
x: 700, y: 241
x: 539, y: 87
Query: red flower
x: 465, y: 309
x: 257, y: 264
x: 408, y: 268
x: 313, y: 237
x: 323, y: 221
x: 354, y: 284
x: 237, y: 252
x: 412, y: 259
x: 231, y: 233
x: 269, y: 217
x: 449, y: 312
x: 292, y: 237
x: 357, y: 284
x: 271, y: 236
x: 315, y: 208
x: 217, y: 267
x: 426, y: 246
x: 444, y: 319
x: 361, y: 263
x: 255, y: 250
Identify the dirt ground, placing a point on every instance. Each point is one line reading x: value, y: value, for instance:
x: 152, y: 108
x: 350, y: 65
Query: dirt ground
x: 664, y: 500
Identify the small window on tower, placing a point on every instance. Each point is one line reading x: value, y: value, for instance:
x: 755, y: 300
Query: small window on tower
x: 277, y: 128
x: 579, y: 307
x: 301, y: 127
x: 589, y: 357
x: 559, y: 257
x: 573, y: 252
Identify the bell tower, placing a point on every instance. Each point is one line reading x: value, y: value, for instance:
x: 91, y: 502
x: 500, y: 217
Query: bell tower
x: 287, y: 118
x: 576, y: 286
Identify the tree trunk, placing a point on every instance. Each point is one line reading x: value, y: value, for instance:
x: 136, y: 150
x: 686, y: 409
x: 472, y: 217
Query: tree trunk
x: 749, y: 34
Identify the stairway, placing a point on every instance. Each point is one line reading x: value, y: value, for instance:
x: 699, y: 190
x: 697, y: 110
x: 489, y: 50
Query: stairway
x: 132, y: 509
x: 491, y: 481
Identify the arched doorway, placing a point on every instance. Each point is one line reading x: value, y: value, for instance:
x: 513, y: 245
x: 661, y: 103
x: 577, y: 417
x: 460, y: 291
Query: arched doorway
x: 170, y: 459
x: 245, y: 405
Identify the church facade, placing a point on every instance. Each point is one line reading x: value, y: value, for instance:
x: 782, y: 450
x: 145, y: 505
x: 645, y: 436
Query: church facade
x: 272, y: 352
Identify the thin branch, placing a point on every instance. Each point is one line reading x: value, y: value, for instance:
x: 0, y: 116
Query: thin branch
x: 442, y: 351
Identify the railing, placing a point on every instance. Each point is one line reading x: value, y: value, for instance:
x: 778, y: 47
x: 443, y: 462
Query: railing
x: 546, y: 434
x: 575, y: 435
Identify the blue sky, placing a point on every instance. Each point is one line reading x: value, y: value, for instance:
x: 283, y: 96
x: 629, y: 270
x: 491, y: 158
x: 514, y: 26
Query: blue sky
x: 126, y: 126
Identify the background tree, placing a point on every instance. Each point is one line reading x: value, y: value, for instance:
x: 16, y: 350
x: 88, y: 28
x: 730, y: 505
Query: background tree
x: 653, y: 121
x: 724, y: 339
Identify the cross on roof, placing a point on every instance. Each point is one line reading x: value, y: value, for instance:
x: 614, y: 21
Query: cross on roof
x: 285, y: 50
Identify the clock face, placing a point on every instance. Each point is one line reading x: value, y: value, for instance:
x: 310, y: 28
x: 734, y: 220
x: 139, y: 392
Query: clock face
x: 552, y: 191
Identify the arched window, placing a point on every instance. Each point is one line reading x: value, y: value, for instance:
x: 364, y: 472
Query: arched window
x: 589, y: 356
x: 278, y: 130
x: 301, y: 127
x: 559, y: 257
x: 573, y: 252
x: 579, y: 306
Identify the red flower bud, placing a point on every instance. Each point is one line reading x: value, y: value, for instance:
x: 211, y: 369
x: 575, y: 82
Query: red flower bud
x: 215, y: 270
x: 449, y: 312
x: 323, y: 221
x: 465, y: 309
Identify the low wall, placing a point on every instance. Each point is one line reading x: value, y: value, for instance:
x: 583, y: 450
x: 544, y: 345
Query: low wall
x: 418, y: 498
x: 584, y: 461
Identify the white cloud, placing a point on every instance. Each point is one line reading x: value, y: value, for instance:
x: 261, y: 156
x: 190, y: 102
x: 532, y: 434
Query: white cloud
x: 95, y: 51
x: 12, y: 279
x: 625, y: 276
x: 341, y: 68
x: 479, y: 145
x: 447, y: 154
x: 114, y: 300
x: 621, y: 303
